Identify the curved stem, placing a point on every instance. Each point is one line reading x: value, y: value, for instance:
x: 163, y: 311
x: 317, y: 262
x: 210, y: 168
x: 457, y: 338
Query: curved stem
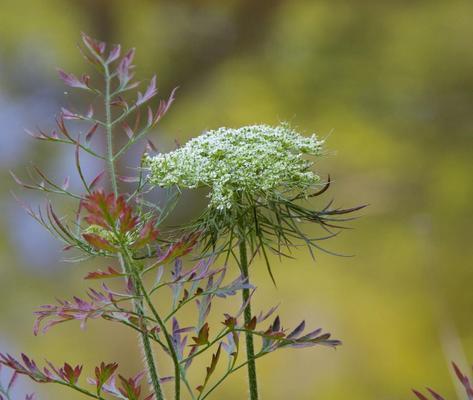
x: 250, y: 350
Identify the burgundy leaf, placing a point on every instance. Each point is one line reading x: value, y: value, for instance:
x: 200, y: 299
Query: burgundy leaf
x: 67, y: 114
x: 90, y: 132
x: 96, y: 47
x: 98, y: 242
x: 164, y: 106
x: 129, y: 132
x: 114, y: 54
x: 72, y: 81
x: 419, y: 395
x: 151, y: 91
x: 96, y: 180
x: 99, y: 274
x: 123, y: 69
x: 150, y: 146
x: 435, y: 395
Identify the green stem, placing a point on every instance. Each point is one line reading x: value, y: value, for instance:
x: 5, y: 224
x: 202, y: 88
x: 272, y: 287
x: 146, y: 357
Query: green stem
x: 4, y: 393
x: 177, y: 368
x: 229, y: 372
x: 220, y: 336
x: 138, y: 303
x: 186, y: 382
x: 250, y: 350
x: 148, y: 352
x: 108, y: 128
x: 80, y: 390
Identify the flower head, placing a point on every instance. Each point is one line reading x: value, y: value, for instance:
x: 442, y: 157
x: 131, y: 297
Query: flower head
x: 257, y: 161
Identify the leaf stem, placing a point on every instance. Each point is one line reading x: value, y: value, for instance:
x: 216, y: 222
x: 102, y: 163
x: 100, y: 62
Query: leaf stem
x: 220, y: 336
x: 231, y: 371
x: 79, y: 389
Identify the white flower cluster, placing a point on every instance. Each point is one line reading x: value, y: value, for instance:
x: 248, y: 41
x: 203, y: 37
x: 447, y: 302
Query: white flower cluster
x: 257, y: 161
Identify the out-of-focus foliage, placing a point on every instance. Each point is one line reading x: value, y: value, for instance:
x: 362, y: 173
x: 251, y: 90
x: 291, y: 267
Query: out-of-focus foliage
x: 391, y: 86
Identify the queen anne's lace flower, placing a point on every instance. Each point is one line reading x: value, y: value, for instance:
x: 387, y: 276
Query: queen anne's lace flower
x: 259, y: 161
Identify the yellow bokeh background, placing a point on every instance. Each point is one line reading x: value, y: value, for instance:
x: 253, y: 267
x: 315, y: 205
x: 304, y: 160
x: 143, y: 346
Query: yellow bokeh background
x: 390, y: 83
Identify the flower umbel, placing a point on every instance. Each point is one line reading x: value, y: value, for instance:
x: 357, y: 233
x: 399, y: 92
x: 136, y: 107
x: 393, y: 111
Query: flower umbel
x: 258, y: 161
x: 257, y: 176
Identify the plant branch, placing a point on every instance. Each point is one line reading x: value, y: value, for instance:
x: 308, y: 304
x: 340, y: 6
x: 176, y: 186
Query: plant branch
x: 81, y: 390
x: 138, y: 305
x: 128, y: 268
x: 177, y: 369
x: 231, y: 371
x: 219, y: 337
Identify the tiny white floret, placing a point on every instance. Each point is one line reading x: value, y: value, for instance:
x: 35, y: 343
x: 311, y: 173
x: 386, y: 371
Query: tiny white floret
x: 258, y: 161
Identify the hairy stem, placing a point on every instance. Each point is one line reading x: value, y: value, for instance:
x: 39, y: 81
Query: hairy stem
x: 108, y: 128
x: 138, y: 303
x: 250, y: 350
x: 148, y: 352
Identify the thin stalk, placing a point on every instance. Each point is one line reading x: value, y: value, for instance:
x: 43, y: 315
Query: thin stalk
x: 108, y: 129
x: 138, y: 303
x: 229, y: 372
x: 186, y: 382
x: 250, y: 349
x: 4, y: 393
x: 177, y: 368
x: 79, y: 389
x: 220, y: 336
x: 148, y: 352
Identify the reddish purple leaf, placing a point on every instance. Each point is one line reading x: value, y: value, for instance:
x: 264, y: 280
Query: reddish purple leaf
x: 129, y: 132
x: 96, y: 180
x: 419, y: 395
x: 91, y: 132
x: 67, y: 114
x: 151, y: 91
x: 98, y: 242
x: 72, y: 81
x: 99, y: 274
x: 435, y: 395
x: 114, y: 54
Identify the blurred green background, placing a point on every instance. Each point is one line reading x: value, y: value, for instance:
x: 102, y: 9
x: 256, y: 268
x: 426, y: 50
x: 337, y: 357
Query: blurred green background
x: 390, y: 81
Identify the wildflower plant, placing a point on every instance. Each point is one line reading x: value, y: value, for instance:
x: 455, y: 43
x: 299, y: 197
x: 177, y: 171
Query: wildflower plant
x: 121, y: 232
x: 257, y: 177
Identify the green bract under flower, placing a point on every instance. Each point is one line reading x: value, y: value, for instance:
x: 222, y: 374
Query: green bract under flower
x: 259, y: 161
